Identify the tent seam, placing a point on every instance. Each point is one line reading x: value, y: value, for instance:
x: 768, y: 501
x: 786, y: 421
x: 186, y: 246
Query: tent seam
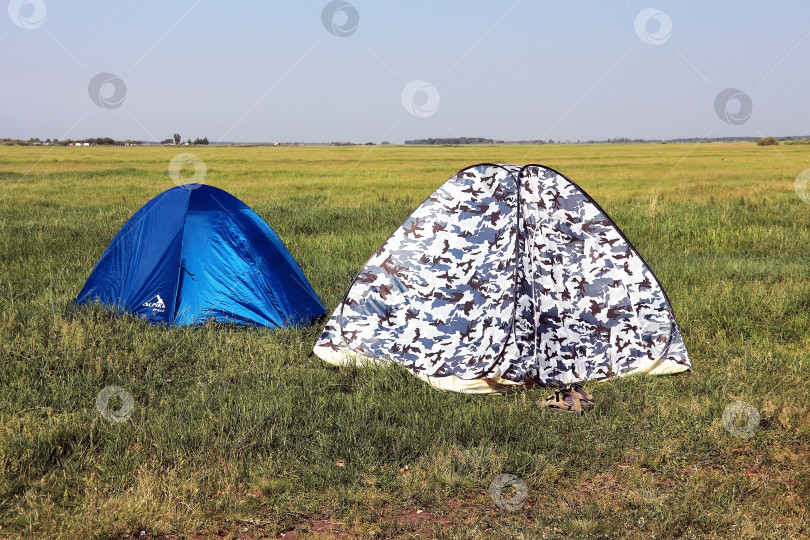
x: 176, y: 308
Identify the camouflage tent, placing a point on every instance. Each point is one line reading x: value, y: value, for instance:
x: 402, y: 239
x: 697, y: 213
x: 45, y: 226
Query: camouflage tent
x: 505, y: 276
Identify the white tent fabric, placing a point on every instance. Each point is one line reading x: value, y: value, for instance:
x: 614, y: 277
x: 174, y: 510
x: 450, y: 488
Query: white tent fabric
x: 507, y: 276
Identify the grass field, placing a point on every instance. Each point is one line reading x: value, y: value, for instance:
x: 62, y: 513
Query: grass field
x: 239, y: 433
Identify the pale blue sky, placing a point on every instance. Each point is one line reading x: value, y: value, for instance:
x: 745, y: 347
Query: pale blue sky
x: 270, y: 71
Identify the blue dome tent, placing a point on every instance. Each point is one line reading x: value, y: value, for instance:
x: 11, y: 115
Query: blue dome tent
x: 196, y: 253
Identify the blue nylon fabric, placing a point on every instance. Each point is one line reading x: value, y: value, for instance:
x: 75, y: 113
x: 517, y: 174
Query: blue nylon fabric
x: 140, y: 263
x: 196, y: 253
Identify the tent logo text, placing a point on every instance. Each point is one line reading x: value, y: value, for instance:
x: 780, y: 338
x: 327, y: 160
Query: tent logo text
x: 156, y: 303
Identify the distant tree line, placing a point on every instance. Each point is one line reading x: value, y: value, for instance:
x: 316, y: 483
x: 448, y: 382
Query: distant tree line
x: 773, y: 141
x: 176, y: 139
x: 616, y: 140
x: 346, y: 143
x: 95, y: 141
x: 455, y: 140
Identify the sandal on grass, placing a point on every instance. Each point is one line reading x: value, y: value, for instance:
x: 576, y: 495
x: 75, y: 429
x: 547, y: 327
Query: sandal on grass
x: 582, y: 394
x: 562, y: 401
x: 573, y: 399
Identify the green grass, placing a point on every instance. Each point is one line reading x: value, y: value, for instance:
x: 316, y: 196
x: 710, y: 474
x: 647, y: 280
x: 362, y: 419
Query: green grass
x: 239, y: 432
